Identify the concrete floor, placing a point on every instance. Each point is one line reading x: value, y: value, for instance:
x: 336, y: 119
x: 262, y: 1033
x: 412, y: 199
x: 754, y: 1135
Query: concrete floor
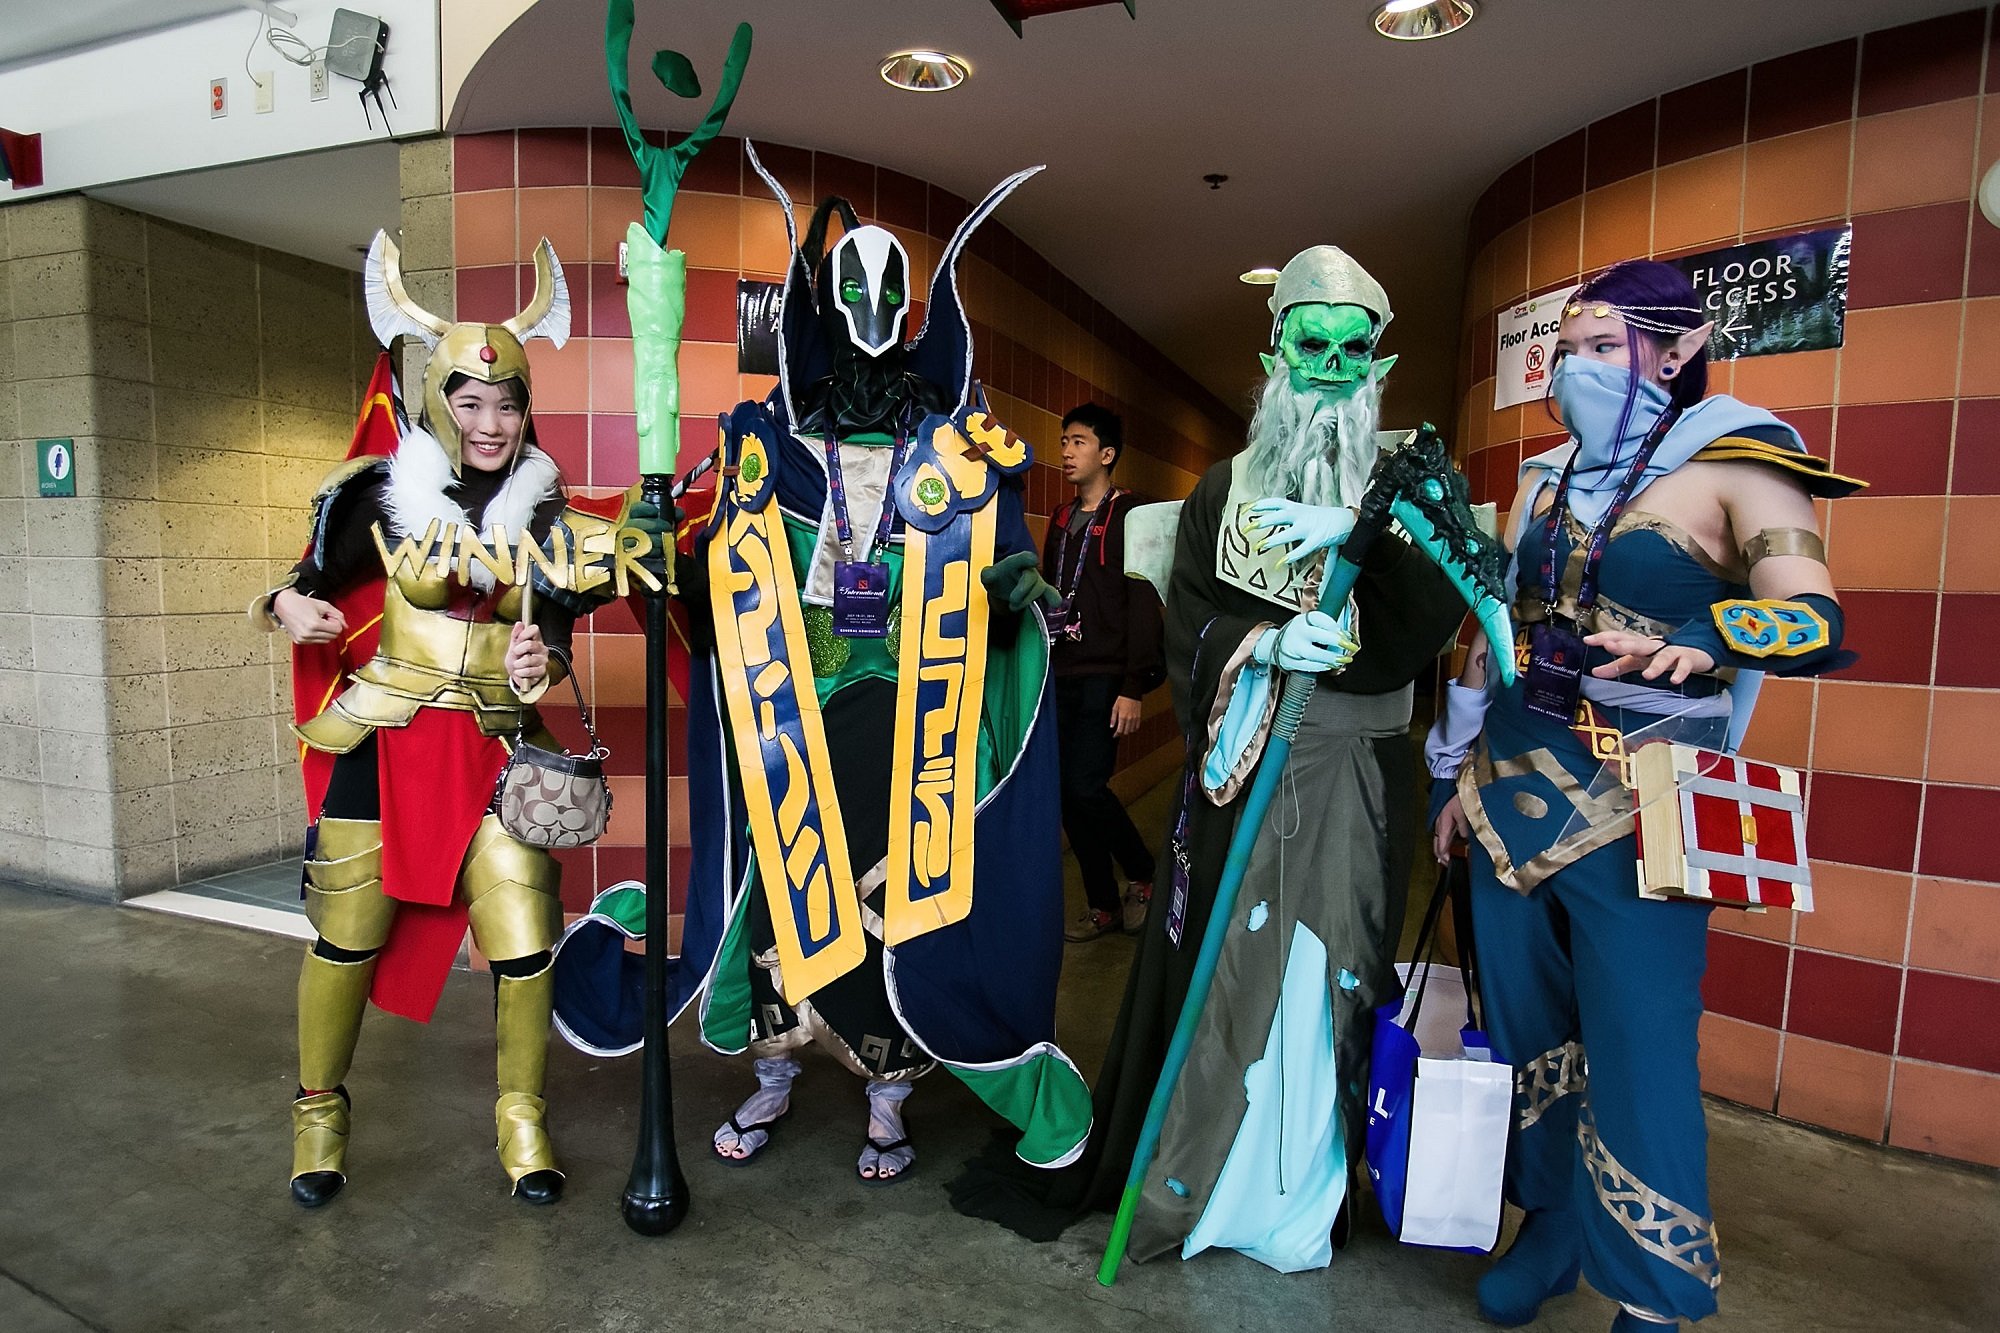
x: 144, y: 1147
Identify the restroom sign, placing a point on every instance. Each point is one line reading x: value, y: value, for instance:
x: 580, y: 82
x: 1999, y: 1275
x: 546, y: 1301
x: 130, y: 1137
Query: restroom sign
x: 1786, y: 294
x: 55, y: 465
x: 1527, y: 339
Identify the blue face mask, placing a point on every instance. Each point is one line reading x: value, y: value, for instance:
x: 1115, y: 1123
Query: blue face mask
x: 1590, y: 395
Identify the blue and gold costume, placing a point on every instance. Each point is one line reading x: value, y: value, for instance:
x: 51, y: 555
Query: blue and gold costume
x: 1593, y: 994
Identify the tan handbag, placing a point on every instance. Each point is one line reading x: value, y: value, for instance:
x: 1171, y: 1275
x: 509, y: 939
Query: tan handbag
x: 551, y: 798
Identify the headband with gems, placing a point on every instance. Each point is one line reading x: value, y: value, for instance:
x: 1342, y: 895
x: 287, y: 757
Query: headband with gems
x: 1604, y: 310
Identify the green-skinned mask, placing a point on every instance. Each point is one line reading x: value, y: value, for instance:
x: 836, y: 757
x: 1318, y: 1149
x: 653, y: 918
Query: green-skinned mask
x: 1329, y: 349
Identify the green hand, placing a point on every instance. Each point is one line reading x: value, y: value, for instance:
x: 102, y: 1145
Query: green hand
x: 1015, y: 579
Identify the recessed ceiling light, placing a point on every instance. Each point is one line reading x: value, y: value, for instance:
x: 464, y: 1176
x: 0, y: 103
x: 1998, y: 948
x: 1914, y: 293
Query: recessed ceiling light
x: 1419, y: 20
x: 925, y: 71
x: 1259, y: 277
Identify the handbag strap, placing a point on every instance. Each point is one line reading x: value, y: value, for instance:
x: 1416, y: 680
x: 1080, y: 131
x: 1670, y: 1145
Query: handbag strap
x: 597, y: 747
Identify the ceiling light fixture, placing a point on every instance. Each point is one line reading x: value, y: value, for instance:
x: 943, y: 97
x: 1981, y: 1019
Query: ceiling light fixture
x: 925, y: 71
x: 1420, y: 20
x: 1259, y: 277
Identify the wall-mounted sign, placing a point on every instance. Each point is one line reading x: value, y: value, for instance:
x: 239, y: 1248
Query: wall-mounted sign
x: 757, y: 326
x: 55, y: 466
x: 1787, y: 294
x: 1527, y: 348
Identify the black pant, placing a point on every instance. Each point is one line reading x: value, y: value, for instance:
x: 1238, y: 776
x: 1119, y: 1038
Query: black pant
x: 1098, y: 827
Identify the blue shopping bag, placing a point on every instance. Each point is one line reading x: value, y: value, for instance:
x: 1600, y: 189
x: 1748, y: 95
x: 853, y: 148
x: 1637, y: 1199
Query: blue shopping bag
x: 1438, y: 1112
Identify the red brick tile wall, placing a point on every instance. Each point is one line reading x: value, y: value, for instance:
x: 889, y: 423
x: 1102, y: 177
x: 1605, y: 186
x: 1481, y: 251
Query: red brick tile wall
x: 1879, y: 1013
x: 1042, y: 345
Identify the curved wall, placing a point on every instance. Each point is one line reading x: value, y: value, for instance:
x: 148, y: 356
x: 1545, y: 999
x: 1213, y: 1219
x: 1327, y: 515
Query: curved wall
x: 1042, y: 345
x: 1879, y: 1013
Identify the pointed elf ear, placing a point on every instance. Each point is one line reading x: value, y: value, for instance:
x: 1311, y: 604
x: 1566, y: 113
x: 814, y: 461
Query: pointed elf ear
x: 1383, y: 365
x: 1270, y: 362
x: 1690, y: 343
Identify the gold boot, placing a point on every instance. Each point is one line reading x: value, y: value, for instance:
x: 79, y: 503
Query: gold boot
x: 346, y: 905
x: 319, y: 1147
x: 521, y: 1010
x: 332, y: 997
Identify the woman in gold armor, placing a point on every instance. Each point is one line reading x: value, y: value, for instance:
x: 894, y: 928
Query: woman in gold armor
x: 406, y: 851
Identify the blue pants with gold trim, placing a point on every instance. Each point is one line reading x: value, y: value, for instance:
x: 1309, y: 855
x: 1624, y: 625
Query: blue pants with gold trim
x: 1594, y: 996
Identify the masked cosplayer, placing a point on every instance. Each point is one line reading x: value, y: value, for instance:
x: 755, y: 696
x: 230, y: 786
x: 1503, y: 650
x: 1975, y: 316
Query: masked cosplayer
x: 405, y: 851
x: 870, y: 745
x: 1269, y: 1113
x: 1670, y: 545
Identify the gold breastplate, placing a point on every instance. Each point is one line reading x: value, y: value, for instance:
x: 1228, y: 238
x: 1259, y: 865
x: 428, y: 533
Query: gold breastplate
x: 443, y: 644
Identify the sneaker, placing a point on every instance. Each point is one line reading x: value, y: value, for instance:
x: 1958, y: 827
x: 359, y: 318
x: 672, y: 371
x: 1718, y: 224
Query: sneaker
x: 1138, y: 897
x: 1090, y: 925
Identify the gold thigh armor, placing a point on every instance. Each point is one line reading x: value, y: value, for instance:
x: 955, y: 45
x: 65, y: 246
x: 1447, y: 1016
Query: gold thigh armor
x: 510, y: 890
x: 344, y: 898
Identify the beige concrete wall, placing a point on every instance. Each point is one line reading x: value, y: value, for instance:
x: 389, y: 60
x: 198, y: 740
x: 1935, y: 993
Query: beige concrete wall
x: 207, y: 384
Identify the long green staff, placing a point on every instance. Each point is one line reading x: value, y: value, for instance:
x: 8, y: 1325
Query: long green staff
x: 1418, y: 488
x: 656, y: 1193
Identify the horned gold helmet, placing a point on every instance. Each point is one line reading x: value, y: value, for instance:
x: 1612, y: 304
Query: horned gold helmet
x: 489, y: 353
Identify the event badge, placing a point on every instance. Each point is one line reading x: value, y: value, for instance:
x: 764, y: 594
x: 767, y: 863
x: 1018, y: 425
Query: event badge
x: 860, y: 599
x: 1554, y: 680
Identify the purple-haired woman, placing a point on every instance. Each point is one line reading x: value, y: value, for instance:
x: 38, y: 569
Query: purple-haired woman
x: 1637, y: 547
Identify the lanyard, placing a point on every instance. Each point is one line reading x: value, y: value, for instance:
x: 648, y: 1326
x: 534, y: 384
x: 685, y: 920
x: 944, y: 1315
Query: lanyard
x: 837, y: 491
x: 1600, y: 536
x: 1091, y: 531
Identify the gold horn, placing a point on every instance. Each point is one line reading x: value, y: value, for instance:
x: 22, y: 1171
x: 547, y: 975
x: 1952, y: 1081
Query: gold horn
x: 547, y: 315
x: 391, y: 312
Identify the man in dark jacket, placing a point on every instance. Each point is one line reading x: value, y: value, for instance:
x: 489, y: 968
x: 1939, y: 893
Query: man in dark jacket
x: 1106, y: 657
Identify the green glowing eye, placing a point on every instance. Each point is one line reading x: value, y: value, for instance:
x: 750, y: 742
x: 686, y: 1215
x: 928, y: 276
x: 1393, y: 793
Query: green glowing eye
x: 894, y: 296
x: 850, y: 291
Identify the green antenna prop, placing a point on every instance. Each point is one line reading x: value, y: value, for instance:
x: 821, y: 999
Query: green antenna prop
x: 656, y: 1193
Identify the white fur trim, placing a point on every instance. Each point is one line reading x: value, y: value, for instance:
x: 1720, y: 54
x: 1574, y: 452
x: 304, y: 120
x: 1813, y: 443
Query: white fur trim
x: 420, y: 477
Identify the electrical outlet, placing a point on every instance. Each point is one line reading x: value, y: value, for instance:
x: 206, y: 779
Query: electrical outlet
x: 218, y: 98
x: 266, y: 91
x: 318, y: 80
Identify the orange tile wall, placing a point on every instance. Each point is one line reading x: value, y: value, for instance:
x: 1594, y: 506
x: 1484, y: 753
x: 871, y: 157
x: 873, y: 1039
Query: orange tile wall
x: 1042, y: 345
x: 1879, y: 1013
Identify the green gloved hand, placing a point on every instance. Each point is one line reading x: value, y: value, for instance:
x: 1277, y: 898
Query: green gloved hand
x: 1016, y: 579
x: 647, y: 518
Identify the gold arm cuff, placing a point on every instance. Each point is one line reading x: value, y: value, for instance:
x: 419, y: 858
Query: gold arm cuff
x: 1784, y: 541
x: 260, y: 605
x: 540, y: 688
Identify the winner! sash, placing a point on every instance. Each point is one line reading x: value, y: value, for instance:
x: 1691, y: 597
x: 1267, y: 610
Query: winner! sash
x: 774, y: 721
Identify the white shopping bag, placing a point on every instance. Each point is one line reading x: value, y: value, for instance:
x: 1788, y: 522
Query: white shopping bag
x: 1458, y: 1149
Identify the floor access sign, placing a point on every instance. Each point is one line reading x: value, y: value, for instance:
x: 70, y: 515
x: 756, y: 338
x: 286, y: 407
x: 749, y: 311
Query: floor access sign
x: 1527, y: 348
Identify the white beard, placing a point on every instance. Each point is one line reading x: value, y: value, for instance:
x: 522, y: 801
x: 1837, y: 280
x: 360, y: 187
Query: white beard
x: 420, y: 475
x: 1305, y: 448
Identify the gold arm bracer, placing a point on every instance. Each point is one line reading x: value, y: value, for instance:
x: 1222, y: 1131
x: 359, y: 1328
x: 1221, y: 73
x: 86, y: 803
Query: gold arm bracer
x: 1784, y: 541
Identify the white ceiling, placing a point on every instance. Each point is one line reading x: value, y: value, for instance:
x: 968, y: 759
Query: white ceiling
x: 1327, y: 132
x: 31, y: 29
x: 320, y: 205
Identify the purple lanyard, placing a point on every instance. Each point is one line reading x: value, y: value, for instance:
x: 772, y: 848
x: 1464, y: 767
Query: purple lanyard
x: 1090, y: 531
x: 1600, y: 536
x: 837, y: 490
